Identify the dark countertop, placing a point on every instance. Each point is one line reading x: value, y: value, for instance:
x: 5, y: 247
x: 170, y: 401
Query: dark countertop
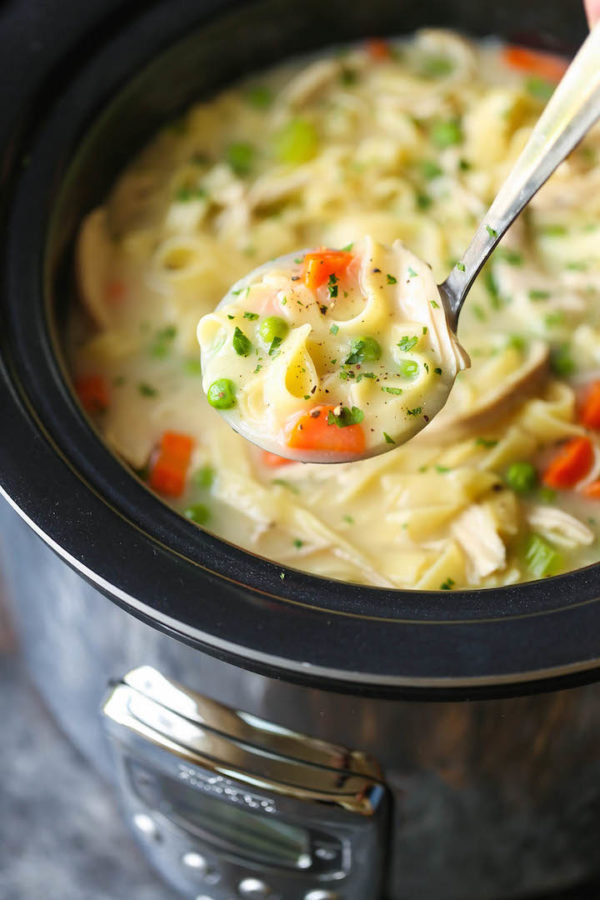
x: 61, y: 835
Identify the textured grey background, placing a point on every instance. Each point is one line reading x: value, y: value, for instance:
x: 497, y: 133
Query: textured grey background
x: 61, y: 835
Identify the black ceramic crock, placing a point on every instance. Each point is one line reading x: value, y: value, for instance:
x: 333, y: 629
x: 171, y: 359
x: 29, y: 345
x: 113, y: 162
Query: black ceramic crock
x: 513, y: 773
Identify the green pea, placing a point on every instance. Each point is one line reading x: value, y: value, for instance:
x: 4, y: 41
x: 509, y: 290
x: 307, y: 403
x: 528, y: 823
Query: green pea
x: 521, y: 477
x: 273, y: 327
x: 296, y: 142
x: 197, y: 513
x: 221, y: 394
x: 363, y: 349
x: 408, y: 368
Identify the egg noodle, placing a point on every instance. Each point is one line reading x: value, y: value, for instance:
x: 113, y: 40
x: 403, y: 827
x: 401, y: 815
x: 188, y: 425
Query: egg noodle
x: 408, y: 141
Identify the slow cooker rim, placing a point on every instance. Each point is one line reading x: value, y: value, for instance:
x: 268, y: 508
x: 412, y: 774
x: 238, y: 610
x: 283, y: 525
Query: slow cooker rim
x: 35, y: 375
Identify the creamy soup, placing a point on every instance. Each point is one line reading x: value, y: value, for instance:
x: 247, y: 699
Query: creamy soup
x: 400, y: 141
x: 331, y: 355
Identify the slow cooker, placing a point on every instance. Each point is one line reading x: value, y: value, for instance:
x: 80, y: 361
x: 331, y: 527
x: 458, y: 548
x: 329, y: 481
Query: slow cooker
x: 270, y: 733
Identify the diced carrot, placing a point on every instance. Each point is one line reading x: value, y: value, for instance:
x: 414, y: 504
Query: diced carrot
x: 320, y: 265
x: 273, y: 460
x: 378, y: 49
x: 572, y: 463
x: 590, y: 410
x: 168, y: 471
x: 92, y: 391
x: 549, y: 66
x: 313, y: 432
x: 115, y: 291
x: 592, y: 490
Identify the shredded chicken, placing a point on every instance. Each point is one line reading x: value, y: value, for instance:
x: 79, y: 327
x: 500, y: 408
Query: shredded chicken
x: 453, y: 424
x: 310, y: 82
x: 559, y: 526
x: 476, y: 532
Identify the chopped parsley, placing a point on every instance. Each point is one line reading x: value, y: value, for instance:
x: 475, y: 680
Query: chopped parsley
x: 425, y: 329
x: 334, y: 329
x: 241, y: 344
x: 423, y: 201
x: 437, y: 370
x: 554, y: 230
x: 393, y: 390
x: 146, y: 390
x: 512, y: 257
x: 411, y: 272
x: 257, y: 369
x: 446, y: 133
x: 485, y: 442
x: 332, y: 286
x: 286, y: 484
x: 561, y: 361
x: 536, y: 294
x: 434, y: 304
x: 259, y: 96
x: 240, y: 157
x: 274, y: 348
x: 348, y: 519
x: 491, y: 231
x: 363, y: 349
x: 298, y: 543
x: 406, y: 343
x: 447, y: 585
x: 185, y: 194
x: 163, y: 340
x: 539, y: 88
x: 442, y: 469
x: 348, y: 247
x: 345, y: 416
x: 388, y: 439
x: 250, y: 315
x: 391, y: 279
x: 430, y: 169
x: 415, y: 412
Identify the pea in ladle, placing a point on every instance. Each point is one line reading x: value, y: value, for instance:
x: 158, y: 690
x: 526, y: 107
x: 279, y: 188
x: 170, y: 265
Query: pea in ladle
x: 570, y: 113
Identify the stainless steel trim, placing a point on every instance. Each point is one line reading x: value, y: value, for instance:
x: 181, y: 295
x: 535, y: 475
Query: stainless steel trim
x: 247, y: 728
x: 245, y: 762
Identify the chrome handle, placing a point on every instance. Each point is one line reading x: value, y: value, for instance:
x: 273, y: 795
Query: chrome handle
x: 570, y: 113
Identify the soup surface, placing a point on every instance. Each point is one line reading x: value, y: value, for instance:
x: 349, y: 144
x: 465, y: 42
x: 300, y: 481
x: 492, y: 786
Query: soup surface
x: 315, y: 354
x: 408, y: 141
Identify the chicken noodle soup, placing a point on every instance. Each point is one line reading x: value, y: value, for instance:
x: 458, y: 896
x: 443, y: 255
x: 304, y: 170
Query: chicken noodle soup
x: 405, y: 141
x: 331, y: 355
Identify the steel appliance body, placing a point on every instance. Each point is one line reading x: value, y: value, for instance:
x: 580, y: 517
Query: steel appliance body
x: 285, y: 738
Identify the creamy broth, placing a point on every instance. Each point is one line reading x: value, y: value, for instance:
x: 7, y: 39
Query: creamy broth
x: 403, y: 141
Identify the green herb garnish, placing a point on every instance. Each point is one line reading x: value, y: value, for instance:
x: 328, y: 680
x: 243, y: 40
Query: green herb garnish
x: 388, y: 439
x: 146, y: 390
x: 391, y: 279
x: 406, y: 343
x: 446, y: 133
x: 345, y: 417
x: 240, y: 157
x: 250, y: 315
x: 241, y: 343
x: 363, y: 349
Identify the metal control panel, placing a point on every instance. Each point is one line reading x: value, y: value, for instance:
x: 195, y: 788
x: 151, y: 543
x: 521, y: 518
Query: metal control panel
x: 228, y: 806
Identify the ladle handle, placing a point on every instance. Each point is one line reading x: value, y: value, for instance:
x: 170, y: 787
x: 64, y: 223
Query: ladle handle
x: 570, y: 113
